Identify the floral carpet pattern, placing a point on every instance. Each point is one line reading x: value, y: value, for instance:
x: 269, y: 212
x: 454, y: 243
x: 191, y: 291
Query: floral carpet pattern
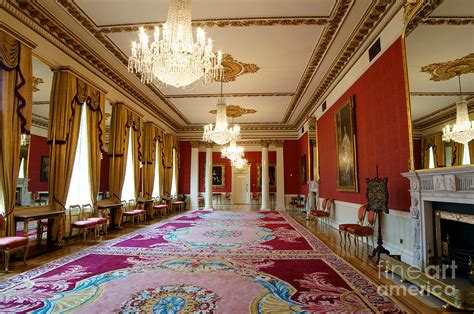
x: 200, y: 262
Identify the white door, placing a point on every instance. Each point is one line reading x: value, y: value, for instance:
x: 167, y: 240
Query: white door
x: 241, y: 185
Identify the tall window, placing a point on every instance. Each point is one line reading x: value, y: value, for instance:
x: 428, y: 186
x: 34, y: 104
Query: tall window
x: 156, y: 182
x: 431, y: 163
x: 80, y: 187
x: 174, y: 188
x: 21, y: 174
x: 466, y: 158
x: 128, y: 189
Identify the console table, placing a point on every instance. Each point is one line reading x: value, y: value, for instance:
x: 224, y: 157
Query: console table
x: 26, y: 214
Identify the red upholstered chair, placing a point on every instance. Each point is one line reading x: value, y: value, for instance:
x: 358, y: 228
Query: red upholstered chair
x: 101, y: 221
x: 325, y: 212
x: 255, y: 197
x: 9, y: 245
x: 78, y: 220
x: 133, y: 212
x: 301, y: 203
x: 363, y: 232
x: 227, y: 197
x: 360, y: 217
x: 160, y: 206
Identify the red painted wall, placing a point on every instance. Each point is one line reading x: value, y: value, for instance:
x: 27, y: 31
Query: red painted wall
x: 253, y: 158
x: 382, y: 132
x: 293, y: 150
x: 185, y: 167
x: 38, y: 148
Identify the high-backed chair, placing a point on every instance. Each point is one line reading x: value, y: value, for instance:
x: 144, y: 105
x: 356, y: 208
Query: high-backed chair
x: 343, y: 227
x: 134, y: 212
x: 78, y: 219
x: 161, y: 206
x: 101, y: 221
x: 9, y: 245
x: 364, y: 232
x: 325, y: 212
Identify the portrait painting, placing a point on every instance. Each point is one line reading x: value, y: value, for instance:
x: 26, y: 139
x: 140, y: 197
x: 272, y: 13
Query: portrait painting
x: 218, y: 175
x: 303, y: 161
x: 346, y: 147
x: 271, y: 175
x: 44, y: 169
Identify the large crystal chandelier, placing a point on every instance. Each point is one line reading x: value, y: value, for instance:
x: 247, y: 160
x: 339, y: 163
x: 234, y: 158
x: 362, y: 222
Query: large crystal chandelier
x: 463, y: 130
x: 240, y: 163
x: 174, y: 58
x: 232, y: 151
x: 221, y: 134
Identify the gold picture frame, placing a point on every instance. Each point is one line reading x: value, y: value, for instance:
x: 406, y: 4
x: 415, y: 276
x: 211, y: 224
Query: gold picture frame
x: 218, y: 175
x: 271, y: 174
x: 346, y: 147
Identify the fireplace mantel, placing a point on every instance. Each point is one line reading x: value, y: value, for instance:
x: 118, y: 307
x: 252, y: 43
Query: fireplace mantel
x: 454, y: 185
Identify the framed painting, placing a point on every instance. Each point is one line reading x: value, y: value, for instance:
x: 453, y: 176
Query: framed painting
x: 44, y: 168
x: 218, y: 175
x: 303, y: 161
x: 271, y: 175
x: 346, y: 147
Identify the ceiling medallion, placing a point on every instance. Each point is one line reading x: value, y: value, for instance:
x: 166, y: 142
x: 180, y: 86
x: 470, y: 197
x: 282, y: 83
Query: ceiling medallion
x: 36, y: 82
x: 234, y: 68
x: 235, y: 111
x: 447, y: 70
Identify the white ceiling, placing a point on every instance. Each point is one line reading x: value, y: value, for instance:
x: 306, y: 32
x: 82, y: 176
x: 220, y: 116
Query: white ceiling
x: 429, y: 44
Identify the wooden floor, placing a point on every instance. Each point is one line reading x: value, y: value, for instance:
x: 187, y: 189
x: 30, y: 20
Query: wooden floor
x: 358, y: 259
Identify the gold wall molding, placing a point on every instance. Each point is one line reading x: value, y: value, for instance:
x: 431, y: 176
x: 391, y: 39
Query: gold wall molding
x: 235, y: 111
x: 320, y: 50
x: 230, y: 22
x: 234, y: 68
x: 227, y: 95
x: 443, y: 71
x: 449, y: 20
x: 416, y: 11
x: 37, y: 81
x: 375, y: 14
x: 440, y: 93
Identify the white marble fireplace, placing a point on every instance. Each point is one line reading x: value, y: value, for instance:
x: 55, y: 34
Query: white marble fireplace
x: 449, y: 185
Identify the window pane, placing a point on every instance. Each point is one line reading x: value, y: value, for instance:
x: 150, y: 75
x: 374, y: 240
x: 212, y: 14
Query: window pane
x: 80, y: 187
x: 466, y: 159
x: 128, y: 190
x: 174, y: 188
x: 431, y: 161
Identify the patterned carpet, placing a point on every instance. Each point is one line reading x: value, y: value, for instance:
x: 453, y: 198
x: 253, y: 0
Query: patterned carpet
x: 201, y: 262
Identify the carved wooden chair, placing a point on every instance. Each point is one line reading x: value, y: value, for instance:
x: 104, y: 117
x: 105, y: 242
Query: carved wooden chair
x: 78, y: 219
x: 324, y: 213
x: 343, y: 227
x: 363, y: 232
x: 101, y: 221
x: 134, y: 212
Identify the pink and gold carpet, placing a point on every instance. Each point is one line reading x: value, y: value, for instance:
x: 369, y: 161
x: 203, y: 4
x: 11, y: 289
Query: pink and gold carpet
x: 200, y: 262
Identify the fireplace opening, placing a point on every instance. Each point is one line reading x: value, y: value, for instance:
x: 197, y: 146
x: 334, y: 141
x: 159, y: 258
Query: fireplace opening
x: 454, y: 236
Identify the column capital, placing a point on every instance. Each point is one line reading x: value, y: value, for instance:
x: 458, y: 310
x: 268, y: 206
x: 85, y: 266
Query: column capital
x: 265, y: 143
x: 208, y: 145
x: 196, y: 144
x: 278, y: 143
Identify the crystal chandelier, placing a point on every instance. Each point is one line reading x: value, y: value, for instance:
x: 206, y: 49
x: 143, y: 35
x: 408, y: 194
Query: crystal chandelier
x: 463, y: 130
x: 240, y: 163
x: 232, y: 151
x: 221, y: 134
x: 174, y: 58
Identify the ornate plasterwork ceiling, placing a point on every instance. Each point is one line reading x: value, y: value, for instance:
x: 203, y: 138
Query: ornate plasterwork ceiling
x: 235, y: 111
x: 440, y: 45
x: 293, y: 51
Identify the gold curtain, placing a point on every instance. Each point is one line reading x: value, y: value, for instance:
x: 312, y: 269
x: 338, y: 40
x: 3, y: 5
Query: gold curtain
x: 150, y: 138
x: 16, y: 95
x: 177, y: 163
x: 169, y: 143
x: 471, y: 151
x: 160, y: 163
x: 438, y: 145
x: 96, y: 132
x: 457, y: 153
x: 67, y: 94
x: 123, y: 122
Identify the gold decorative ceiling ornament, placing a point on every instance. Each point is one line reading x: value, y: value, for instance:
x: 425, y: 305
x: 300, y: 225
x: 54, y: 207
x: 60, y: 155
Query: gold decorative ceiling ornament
x: 36, y: 82
x: 234, y: 68
x: 235, y: 111
x: 443, y: 71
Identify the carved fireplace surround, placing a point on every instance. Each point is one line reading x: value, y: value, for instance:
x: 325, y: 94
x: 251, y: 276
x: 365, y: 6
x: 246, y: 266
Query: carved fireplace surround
x: 452, y: 185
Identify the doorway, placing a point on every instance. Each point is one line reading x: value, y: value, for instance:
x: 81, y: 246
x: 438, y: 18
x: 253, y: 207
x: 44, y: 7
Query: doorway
x: 241, y: 185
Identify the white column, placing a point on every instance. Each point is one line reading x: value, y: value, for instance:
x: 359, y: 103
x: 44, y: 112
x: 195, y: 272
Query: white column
x: 265, y: 183
x: 194, y: 176
x: 280, y: 177
x: 208, y: 178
